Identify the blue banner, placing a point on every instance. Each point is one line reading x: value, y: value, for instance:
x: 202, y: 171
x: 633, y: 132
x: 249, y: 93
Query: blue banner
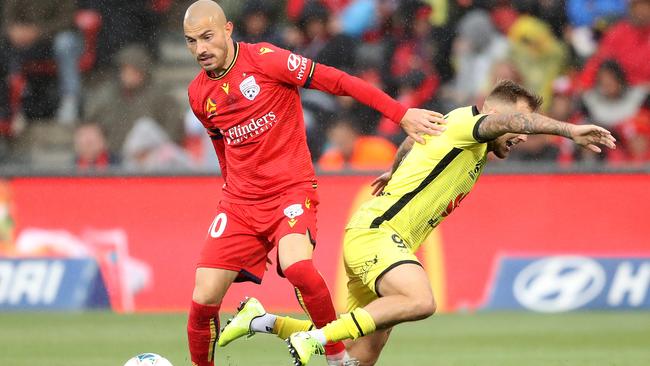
x: 564, y: 283
x: 51, y: 284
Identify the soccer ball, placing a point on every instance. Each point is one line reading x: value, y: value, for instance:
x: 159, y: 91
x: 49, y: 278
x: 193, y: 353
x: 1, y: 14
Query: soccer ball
x: 148, y: 359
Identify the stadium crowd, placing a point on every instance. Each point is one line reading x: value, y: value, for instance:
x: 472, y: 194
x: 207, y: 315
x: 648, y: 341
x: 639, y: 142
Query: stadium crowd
x: 82, y: 73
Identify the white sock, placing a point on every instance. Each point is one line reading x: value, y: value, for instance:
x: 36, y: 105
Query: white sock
x: 264, y: 323
x: 319, y: 335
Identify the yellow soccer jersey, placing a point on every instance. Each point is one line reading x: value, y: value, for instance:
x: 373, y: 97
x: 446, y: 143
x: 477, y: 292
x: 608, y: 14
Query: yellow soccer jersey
x: 430, y: 182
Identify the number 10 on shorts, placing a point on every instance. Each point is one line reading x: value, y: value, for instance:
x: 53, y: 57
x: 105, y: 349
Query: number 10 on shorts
x: 218, y: 225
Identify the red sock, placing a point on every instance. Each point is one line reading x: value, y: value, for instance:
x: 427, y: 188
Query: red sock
x: 202, y: 333
x: 314, y: 296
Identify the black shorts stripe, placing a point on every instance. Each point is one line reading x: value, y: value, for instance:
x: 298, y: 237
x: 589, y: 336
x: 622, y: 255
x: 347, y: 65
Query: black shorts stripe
x: 354, y: 318
x: 405, y: 199
x: 390, y: 268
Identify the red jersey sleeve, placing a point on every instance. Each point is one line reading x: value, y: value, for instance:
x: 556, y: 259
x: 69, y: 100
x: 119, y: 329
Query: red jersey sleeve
x: 335, y: 81
x: 297, y: 70
x: 215, y: 135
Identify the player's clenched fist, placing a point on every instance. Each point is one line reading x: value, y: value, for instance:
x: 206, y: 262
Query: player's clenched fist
x: 417, y: 122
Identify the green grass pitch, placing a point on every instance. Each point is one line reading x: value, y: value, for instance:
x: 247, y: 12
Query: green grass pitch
x: 503, y: 339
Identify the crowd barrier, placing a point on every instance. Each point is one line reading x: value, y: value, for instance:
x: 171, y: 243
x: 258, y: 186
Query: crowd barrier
x: 544, y: 243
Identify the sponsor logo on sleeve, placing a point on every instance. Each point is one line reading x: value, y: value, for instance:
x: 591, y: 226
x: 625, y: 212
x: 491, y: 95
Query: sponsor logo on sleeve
x: 293, y: 62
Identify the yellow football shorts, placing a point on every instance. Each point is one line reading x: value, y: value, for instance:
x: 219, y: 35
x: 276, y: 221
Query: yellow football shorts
x: 368, y: 254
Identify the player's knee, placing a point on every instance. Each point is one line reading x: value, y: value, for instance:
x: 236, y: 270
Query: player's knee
x: 205, y: 296
x: 209, y: 290
x: 423, y: 307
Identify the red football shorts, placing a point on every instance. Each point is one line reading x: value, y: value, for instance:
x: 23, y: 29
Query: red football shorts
x: 241, y: 236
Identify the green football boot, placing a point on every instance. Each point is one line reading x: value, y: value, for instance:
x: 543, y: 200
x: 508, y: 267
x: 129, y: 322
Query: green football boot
x: 240, y: 325
x: 302, y: 346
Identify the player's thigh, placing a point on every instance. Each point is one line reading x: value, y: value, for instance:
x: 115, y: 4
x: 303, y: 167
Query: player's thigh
x: 411, y: 281
x: 211, y: 285
x: 294, y: 248
x: 295, y: 226
x: 232, y: 251
x: 371, y: 253
x: 367, y: 349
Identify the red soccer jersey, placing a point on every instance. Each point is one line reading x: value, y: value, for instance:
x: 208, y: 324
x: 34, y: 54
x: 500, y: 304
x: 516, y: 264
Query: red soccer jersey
x: 253, y: 114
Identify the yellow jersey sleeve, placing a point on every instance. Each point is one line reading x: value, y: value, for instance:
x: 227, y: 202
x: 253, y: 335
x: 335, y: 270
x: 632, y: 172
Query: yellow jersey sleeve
x: 462, y: 127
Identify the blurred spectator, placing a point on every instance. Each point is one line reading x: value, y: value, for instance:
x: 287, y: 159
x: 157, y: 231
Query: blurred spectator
x: 126, y: 22
x: 627, y: 42
x: 149, y: 148
x: 552, y: 12
x: 350, y: 150
x: 540, y: 56
x: 91, y: 150
x: 501, y: 70
x: 198, y: 144
x: 587, y: 13
x: 38, y: 32
x: 636, y: 134
x: 256, y: 23
x: 322, y: 40
x: 119, y: 103
x: 616, y: 105
x: 5, y: 109
x: 477, y: 48
x: 359, y: 17
x: 295, y: 8
x: 612, y: 100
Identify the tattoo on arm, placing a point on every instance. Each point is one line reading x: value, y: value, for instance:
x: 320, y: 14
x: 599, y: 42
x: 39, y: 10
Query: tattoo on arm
x: 496, y: 125
x: 403, y: 149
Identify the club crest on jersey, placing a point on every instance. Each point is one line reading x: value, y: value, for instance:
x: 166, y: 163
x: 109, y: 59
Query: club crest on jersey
x: 292, y: 212
x: 249, y: 88
x: 211, y: 107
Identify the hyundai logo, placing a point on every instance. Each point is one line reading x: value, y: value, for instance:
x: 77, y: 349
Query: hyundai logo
x: 558, y: 284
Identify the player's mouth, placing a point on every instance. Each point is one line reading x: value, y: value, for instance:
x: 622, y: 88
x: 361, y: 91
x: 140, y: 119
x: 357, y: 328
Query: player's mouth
x: 205, y: 59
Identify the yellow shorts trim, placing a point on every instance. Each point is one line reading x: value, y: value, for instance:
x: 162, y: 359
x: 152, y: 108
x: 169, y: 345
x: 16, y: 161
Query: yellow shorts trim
x: 368, y: 254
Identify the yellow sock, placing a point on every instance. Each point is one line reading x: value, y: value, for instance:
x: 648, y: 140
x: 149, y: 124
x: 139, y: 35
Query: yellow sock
x: 350, y: 326
x: 285, y: 326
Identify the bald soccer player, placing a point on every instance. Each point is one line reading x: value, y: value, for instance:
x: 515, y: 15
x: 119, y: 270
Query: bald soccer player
x: 247, y: 98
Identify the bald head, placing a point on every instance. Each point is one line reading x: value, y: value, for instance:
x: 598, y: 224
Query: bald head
x: 202, y: 11
x: 208, y: 35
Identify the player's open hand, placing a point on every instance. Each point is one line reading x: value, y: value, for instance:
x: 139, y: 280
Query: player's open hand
x: 590, y: 136
x: 418, y: 122
x: 380, y: 183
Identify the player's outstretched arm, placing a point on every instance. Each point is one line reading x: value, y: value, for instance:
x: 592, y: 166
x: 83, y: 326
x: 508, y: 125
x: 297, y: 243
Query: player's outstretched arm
x: 415, y: 122
x: 588, y: 136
